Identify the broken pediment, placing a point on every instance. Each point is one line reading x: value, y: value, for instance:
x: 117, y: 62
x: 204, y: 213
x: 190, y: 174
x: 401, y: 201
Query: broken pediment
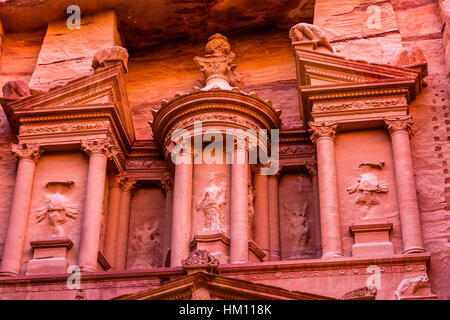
x: 101, y: 94
x: 332, y: 87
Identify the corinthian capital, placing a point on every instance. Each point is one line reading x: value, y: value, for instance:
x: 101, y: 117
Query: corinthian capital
x: 322, y: 130
x: 129, y: 184
x: 27, y: 151
x: 99, y: 146
x: 116, y: 180
x: 396, y: 124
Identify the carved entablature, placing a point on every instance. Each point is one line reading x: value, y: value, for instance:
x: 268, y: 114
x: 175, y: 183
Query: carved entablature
x: 217, y: 110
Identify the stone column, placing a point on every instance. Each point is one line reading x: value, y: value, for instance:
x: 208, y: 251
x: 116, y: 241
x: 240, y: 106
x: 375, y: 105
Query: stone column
x: 400, y: 130
x: 28, y: 155
x: 323, y: 136
x: 128, y: 187
x: 167, y: 185
x: 274, y: 220
x: 239, y: 207
x: 182, y: 209
x: 262, y: 237
x: 99, y: 151
x: 115, y: 182
x: 312, y: 168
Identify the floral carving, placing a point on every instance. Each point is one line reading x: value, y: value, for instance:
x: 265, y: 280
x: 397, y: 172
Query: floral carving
x: 64, y: 127
x: 99, y: 146
x: 309, y: 32
x: 409, y: 287
x: 396, y: 124
x: 199, y: 257
x: 297, y: 149
x: 217, y: 65
x: 358, y: 105
x: 27, y: 151
x: 57, y: 211
x: 322, y: 130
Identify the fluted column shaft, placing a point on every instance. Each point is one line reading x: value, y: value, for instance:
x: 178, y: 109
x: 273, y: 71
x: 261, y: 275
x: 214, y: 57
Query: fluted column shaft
x: 400, y: 130
x: 99, y: 151
x: 323, y: 136
x: 182, y: 209
x: 262, y: 232
x: 115, y: 194
x: 124, y: 223
x: 239, y: 207
x: 274, y: 220
x: 28, y: 155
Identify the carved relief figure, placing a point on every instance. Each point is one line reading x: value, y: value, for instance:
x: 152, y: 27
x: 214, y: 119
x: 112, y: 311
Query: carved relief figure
x: 212, y: 204
x: 251, y: 210
x: 298, y: 225
x: 367, y: 185
x: 309, y: 32
x: 57, y: 211
x: 410, y: 286
x: 147, y: 239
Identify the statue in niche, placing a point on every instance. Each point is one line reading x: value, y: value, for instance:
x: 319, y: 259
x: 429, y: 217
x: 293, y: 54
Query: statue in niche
x: 309, y: 32
x: 57, y: 211
x: 298, y: 225
x: 212, y: 206
x: 147, y: 239
x: 367, y: 186
x: 251, y: 210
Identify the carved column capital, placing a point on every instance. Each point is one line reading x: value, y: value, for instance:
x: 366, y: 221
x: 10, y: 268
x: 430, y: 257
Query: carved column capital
x: 116, y: 180
x: 322, y: 130
x: 129, y: 184
x: 27, y: 151
x: 99, y: 146
x: 167, y: 183
x: 396, y: 124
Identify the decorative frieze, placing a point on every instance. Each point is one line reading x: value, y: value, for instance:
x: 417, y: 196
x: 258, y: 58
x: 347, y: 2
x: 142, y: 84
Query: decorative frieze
x: 63, y: 127
x: 340, y: 106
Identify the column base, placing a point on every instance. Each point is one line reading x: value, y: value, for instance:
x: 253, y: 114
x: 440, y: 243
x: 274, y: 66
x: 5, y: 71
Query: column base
x: 414, y: 250
x: 331, y: 255
x: 5, y: 274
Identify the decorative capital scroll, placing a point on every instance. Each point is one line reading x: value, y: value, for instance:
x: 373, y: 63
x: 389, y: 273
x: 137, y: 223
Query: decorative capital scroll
x: 217, y: 65
x: 312, y: 168
x: 322, y: 130
x: 396, y: 124
x: 27, y: 151
x: 99, y: 146
x: 116, y: 180
x: 129, y: 184
x: 199, y: 257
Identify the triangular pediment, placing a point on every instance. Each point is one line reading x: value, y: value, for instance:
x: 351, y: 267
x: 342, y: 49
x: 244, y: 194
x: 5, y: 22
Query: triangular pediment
x: 204, y: 286
x: 324, y: 77
x: 103, y: 91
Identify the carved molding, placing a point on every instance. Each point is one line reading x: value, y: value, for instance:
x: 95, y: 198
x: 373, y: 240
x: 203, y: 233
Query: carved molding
x: 334, y: 106
x: 27, y: 151
x: 99, y: 146
x: 63, y: 127
x: 322, y: 130
x: 399, y: 124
